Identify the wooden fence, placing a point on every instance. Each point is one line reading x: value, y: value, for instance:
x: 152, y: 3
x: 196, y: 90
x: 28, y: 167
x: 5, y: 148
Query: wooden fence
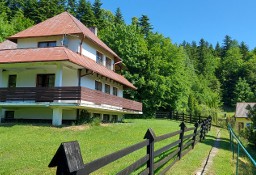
x: 68, y: 158
x: 188, y: 118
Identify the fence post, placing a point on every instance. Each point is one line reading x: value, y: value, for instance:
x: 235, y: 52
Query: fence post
x: 202, y: 131
x: 194, y: 137
x: 177, y: 115
x: 150, y: 135
x: 182, y: 128
x: 183, y: 116
x: 67, y: 158
x: 210, y: 117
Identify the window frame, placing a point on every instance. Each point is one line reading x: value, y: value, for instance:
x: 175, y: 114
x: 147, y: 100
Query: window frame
x: 97, y: 85
x: 12, y: 84
x: 48, y: 44
x: 108, y: 63
x: 115, y: 91
x: 99, y: 55
x: 44, y: 78
x: 107, y: 85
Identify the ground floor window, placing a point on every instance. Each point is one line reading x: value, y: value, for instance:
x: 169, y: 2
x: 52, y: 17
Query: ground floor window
x: 114, y: 118
x: 9, y: 114
x: 106, y: 118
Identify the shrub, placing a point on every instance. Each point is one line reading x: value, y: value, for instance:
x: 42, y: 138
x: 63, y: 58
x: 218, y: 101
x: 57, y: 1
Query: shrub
x: 84, y: 117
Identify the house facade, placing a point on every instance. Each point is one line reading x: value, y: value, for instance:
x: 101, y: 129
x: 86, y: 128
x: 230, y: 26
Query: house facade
x: 59, y: 68
x: 241, y: 115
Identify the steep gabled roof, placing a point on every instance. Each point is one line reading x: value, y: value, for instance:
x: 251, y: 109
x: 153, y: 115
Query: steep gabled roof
x: 62, y: 24
x: 59, y: 54
x: 7, y: 44
x: 241, y: 110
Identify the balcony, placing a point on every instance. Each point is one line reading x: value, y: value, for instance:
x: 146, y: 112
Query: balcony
x: 46, y: 94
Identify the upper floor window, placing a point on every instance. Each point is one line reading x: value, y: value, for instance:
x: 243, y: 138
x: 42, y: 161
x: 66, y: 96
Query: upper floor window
x: 47, y: 44
x: 99, y: 58
x: 12, y: 81
x: 108, y: 63
x: 107, y: 89
x: 98, y: 85
x: 45, y: 80
x: 115, y: 91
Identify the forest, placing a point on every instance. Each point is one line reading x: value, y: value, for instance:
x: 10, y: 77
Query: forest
x: 196, y: 77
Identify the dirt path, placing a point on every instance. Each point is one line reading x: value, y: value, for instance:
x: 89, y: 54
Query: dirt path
x: 207, y: 163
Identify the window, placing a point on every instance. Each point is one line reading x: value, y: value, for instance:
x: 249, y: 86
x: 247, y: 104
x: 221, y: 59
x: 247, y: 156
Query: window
x: 108, y: 63
x: 12, y: 81
x: 47, y: 44
x: 98, y: 85
x: 9, y: 114
x: 114, y: 118
x: 45, y: 80
x: 99, y: 58
x: 107, y: 89
x: 115, y: 91
x: 106, y: 117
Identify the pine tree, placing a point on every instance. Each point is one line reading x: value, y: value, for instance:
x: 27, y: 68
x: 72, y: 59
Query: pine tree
x: 244, y: 50
x: 217, y: 50
x: 144, y: 24
x: 85, y: 13
x: 98, y: 13
x: 71, y: 7
x: 118, y: 16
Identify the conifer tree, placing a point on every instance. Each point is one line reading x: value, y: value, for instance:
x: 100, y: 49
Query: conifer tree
x: 98, y: 13
x: 118, y: 16
x: 145, y: 25
x: 71, y: 7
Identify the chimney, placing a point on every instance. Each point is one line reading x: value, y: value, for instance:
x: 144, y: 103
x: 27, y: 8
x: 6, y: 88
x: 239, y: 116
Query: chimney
x: 94, y: 30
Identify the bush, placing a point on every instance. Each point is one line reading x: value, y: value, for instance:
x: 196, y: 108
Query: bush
x: 84, y: 117
x: 250, y: 135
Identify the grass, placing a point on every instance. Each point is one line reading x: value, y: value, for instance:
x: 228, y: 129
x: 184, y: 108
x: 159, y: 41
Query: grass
x: 28, y: 149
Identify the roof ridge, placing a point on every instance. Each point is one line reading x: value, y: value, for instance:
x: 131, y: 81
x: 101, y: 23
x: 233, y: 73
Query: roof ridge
x: 72, y: 18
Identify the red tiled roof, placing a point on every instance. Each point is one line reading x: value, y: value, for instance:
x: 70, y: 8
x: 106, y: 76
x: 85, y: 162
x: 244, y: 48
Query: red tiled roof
x: 62, y: 24
x: 7, y: 44
x: 59, y: 54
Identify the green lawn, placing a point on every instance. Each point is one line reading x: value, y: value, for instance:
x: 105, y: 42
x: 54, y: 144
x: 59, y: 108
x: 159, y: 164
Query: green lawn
x: 28, y: 149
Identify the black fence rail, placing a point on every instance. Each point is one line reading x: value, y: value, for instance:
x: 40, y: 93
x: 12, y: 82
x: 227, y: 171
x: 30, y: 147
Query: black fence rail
x: 188, y: 118
x: 68, y: 158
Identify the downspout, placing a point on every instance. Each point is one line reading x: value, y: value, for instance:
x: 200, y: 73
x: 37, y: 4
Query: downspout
x: 82, y: 40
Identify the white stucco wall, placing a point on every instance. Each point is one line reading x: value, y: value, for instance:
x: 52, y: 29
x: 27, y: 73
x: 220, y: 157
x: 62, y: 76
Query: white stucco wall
x: 41, y: 113
x: 33, y: 42
x: 88, y: 51
x: 70, y: 77
x: 27, y: 78
x: 88, y: 81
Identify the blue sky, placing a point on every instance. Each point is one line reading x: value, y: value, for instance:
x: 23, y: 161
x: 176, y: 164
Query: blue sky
x: 194, y: 19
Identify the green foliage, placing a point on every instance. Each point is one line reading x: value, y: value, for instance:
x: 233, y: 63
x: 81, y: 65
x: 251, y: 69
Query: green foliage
x: 84, y: 117
x: 250, y: 132
x: 145, y: 25
x: 242, y: 92
x: 119, y: 17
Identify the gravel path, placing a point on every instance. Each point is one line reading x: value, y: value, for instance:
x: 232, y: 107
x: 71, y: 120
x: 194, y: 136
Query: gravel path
x: 207, y: 163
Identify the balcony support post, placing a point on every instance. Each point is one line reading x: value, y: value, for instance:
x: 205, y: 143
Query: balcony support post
x: 58, y: 76
x: 57, y: 116
x: 1, y: 77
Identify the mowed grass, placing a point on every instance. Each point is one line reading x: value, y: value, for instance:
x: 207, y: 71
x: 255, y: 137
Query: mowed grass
x: 28, y: 149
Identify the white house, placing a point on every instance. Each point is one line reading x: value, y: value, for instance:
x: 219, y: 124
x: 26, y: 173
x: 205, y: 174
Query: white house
x: 58, y: 68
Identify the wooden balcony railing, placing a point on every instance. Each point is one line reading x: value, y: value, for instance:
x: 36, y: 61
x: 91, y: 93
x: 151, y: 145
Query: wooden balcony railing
x: 46, y: 94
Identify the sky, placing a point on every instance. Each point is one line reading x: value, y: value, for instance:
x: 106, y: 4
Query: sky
x: 191, y: 20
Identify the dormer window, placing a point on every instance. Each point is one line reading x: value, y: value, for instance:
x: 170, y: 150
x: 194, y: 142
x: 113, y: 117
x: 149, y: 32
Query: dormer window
x: 99, y: 58
x: 47, y: 44
x: 108, y: 63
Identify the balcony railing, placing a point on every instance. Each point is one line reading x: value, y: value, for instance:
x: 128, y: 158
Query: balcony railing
x: 47, y: 94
